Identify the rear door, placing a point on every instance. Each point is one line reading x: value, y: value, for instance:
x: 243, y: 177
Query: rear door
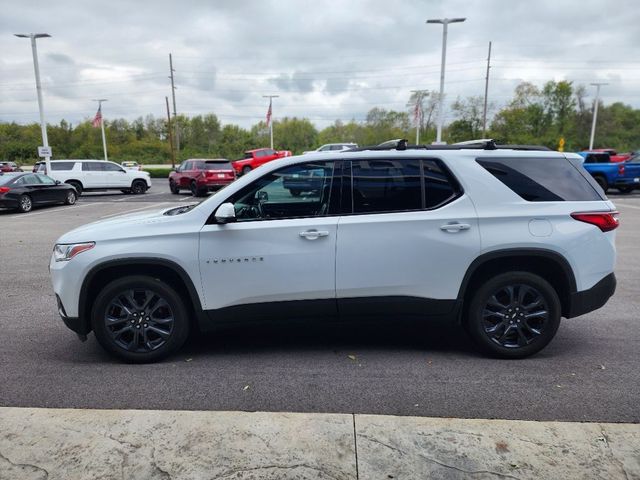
x: 405, y: 240
x: 92, y: 175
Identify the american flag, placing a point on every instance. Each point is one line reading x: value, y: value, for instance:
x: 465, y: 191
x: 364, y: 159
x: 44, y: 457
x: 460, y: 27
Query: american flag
x: 97, y: 120
x: 269, y: 113
x: 416, y: 112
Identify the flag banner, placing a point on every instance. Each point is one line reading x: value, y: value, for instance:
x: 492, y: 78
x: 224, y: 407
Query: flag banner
x: 269, y: 114
x: 97, y: 120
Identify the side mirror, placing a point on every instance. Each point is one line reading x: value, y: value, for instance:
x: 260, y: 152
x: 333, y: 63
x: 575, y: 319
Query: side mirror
x: 122, y: 170
x: 226, y: 213
x: 58, y: 182
x: 262, y: 196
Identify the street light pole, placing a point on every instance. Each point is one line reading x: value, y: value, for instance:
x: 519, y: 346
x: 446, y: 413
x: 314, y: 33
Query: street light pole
x: 595, y: 113
x: 104, y: 138
x: 445, y: 24
x: 36, y: 67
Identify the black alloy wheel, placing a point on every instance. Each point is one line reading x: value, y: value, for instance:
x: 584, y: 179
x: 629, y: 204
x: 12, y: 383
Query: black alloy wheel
x: 71, y: 198
x: 138, y: 187
x: 140, y: 319
x: 174, y: 189
x: 25, y: 204
x: 514, y: 315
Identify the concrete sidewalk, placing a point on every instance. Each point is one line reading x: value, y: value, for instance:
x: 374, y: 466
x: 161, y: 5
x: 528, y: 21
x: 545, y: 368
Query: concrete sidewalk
x: 145, y: 444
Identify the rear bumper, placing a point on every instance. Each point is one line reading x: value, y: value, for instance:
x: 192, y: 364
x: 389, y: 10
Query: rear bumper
x: 4, y: 203
x: 593, y: 298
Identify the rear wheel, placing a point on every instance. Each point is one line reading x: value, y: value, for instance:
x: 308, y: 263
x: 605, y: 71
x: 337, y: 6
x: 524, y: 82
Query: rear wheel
x: 513, y: 315
x: 138, y: 187
x: 25, y: 204
x: 77, y: 185
x: 625, y: 189
x: 140, y: 319
x: 71, y: 198
x: 602, y: 182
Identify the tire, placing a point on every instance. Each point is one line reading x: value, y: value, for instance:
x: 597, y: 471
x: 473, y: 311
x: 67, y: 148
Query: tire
x: 625, y: 190
x: 246, y: 170
x: 602, y: 182
x: 496, y: 318
x: 71, y: 198
x: 25, y: 204
x: 195, y: 191
x: 138, y: 187
x: 77, y: 185
x: 173, y: 187
x: 125, y: 337
x: 126, y: 191
x: 295, y: 193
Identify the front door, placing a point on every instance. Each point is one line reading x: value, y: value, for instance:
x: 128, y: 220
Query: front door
x: 408, y: 242
x: 278, y: 258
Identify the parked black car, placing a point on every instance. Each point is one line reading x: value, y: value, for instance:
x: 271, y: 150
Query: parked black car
x: 23, y: 191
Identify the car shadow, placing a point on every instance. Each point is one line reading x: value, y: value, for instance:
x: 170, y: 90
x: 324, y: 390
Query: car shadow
x: 392, y: 334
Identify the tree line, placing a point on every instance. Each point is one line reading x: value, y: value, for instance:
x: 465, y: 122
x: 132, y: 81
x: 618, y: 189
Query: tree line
x: 534, y: 115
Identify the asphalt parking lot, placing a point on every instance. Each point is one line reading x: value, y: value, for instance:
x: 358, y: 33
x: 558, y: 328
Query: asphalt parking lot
x: 590, y: 372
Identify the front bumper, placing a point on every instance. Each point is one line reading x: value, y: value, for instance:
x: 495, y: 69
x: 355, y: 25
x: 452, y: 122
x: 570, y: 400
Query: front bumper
x: 593, y: 298
x: 78, y: 325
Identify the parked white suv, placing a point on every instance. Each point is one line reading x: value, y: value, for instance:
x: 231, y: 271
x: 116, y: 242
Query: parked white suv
x: 333, y: 147
x: 504, y: 241
x: 87, y: 175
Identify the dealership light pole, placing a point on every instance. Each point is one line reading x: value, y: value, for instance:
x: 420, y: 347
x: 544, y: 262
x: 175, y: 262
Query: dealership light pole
x: 595, y: 113
x: 445, y: 23
x: 43, y: 125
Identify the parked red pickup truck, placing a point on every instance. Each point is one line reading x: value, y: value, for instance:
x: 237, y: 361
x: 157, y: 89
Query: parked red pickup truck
x: 615, y: 156
x: 201, y: 176
x: 254, y: 158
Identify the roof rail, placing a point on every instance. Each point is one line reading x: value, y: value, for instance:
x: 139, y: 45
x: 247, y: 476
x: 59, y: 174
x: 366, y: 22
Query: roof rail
x: 483, y: 144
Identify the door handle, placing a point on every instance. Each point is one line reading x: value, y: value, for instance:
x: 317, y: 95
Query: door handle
x: 455, y: 227
x: 314, y: 234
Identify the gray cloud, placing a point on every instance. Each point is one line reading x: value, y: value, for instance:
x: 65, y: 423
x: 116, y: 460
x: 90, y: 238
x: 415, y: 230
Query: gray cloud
x: 326, y: 59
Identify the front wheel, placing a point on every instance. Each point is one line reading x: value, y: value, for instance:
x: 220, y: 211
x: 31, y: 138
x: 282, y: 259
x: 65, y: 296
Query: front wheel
x: 71, y: 198
x: 173, y: 187
x: 140, y: 319
x: 246, y: 170
x: 513, y: 315
x: 138, y: 187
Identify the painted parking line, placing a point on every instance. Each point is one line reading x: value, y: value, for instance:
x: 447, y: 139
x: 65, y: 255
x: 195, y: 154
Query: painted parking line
x: 146, y: 207
x: 626, y: 205
x: 48, y: 211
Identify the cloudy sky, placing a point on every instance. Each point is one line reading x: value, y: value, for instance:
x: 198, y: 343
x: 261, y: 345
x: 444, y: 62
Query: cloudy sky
x: 326, y: 60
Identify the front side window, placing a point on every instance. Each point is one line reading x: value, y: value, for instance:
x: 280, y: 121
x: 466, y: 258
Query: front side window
x: 29, y: 180
x: 111, y: 167
x: 292, y: 192
x: 46, y: 180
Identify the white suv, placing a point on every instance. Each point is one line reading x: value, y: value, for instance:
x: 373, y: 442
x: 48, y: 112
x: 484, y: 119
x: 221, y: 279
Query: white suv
x: 504, y: 241
x: 87, y: 175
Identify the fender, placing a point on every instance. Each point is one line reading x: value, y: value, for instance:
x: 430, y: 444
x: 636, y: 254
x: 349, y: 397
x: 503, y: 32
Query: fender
x: 513, y: 252
x: 177, y: 269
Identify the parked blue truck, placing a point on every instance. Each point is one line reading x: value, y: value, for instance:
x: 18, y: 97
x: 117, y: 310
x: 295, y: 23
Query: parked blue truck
x: 624, y: 176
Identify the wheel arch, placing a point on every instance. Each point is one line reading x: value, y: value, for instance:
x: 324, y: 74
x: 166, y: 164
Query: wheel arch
x: 166, y: 270
x: 548, y: 264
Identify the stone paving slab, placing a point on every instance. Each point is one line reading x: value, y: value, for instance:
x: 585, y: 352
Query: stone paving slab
x: 78, y: 444
x: 440, y: 448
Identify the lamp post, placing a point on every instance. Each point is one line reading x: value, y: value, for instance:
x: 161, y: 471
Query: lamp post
x: 445, y: 23
x: 595, y: 113
x: 43, y: 125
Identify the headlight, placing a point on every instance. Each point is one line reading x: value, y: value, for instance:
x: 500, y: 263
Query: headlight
x: 63, y: 252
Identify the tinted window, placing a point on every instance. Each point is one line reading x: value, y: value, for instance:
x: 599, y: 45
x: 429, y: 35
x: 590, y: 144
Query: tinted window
x: 46, y: 180
x: 248, y: 155
x: 597, y: 158
x: 61, y: 165
x: 440, y: 186
x: 111, y: 167
x: 295, y: 191
x: 217, y: 165
x: 542, y: 179
x: 91, y: 167
x: 29, y: 180
x: 386, y: 186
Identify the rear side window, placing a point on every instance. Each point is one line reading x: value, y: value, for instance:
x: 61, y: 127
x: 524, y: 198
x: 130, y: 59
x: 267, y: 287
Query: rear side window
x: 62, y: 165
x: 92, y: 167
x: 542, y: 179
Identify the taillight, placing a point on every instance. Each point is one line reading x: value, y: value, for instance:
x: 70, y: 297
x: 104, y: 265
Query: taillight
x: 3, y: 190
x: 621, y: 169
x: 605, y: 221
